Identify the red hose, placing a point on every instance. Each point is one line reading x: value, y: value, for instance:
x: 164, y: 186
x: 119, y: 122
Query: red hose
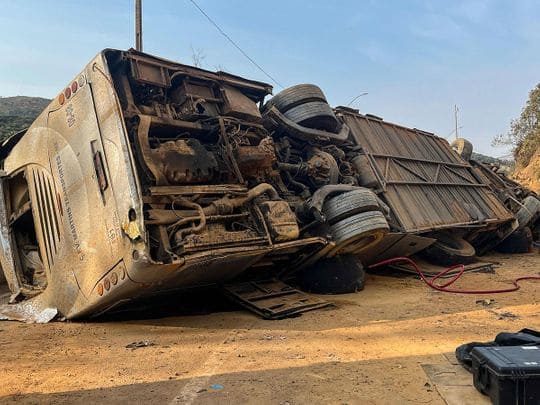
x: 442, y: 287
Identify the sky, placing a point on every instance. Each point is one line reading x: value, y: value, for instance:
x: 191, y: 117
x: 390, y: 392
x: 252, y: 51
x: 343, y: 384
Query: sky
x: 416, y: 59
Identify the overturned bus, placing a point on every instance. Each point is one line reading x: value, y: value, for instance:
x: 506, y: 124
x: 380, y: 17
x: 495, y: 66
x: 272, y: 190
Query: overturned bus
x: 146, y: 175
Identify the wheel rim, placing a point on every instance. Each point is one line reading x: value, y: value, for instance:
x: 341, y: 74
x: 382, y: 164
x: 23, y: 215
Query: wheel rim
x: 360, y: 243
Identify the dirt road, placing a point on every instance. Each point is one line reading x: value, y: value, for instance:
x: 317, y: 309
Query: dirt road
x: 373, y: 347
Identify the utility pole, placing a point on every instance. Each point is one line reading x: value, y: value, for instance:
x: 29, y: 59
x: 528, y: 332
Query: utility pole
x: 456, y: 109
x: 138, y: 25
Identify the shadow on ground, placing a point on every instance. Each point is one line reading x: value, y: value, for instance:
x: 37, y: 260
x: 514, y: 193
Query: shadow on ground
x: 330, y: 382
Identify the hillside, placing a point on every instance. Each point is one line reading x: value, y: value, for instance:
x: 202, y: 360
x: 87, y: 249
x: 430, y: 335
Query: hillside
x: 529, y: 175
x: 22, y: 106
x: 18, y: 112
x: 488, y: 159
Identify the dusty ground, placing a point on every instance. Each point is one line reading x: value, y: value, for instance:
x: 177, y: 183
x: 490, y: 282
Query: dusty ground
x: 372, y: 348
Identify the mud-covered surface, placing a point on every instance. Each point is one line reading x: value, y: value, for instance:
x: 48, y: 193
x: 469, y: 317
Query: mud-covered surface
x: 372, y: 348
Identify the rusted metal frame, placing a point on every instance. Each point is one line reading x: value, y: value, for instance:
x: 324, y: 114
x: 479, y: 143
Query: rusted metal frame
x: 215, y: 87
x: 468, y: 225
x: 366, y: 138
x: 382, y: 155
x: 138, y: 67
x: 495, y: 181
x: 410, y: 170
x: 143, y: 128
x: 460, y: 175
x: 19, y: 213
x: 378, y: 135
x: 125, y: 88
x: 440, y: 154
x: 419, y: 131
x: 486, y: 174
x: 429, y: 146
x: 198, y: 189
x: 261, y: 219
x: 194, y: 229
x: 419, y: 142
x: 168, y: 122
x: 389, y: 136
x: 165, y: 241
x: 168, y: 217
x: 360, y: 133
x: 386, y: 122
x: 380, y: 179
x: 420, y: 183
x: 229, y: 150
x: 271, y: 295
x: 405, y: 144
x: 241, y: 122
x: 415, y: 202
x: 446, y: 204
x: 248, y: 242
x: 436, y: 177
x: 444, y: 147
x: 193, y: 71
x: 374, y: 165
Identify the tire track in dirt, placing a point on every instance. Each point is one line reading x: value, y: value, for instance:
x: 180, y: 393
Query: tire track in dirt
x: 209, y: 368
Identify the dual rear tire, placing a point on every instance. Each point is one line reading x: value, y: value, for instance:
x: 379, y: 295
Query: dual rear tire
x: 305, y: 105
x: 529, y: 211
x: 355, y: 221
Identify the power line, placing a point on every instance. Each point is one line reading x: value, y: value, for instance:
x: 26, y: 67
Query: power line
x: 234, y: 43
x: 452, y: 132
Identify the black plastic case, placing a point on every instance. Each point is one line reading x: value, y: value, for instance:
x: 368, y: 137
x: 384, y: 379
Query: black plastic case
x: 508, y: 374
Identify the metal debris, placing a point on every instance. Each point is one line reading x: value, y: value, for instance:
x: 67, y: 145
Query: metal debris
x: 139, y: 344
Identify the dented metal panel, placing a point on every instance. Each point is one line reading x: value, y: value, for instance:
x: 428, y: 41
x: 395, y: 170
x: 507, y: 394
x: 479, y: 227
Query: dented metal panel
x: 426, y: 184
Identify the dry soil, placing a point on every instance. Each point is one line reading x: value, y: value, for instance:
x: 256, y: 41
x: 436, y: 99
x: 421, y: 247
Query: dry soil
x: 373, y: 347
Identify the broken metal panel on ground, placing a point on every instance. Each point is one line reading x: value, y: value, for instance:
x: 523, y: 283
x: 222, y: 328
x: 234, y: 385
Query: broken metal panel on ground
x: 273, y: 299
x: 424, y: 182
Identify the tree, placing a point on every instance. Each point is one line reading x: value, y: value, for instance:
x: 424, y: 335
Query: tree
x: 197, y: 56
x: 524, y: 134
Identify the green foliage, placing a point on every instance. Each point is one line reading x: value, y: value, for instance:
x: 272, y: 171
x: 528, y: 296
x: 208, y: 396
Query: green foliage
x: 524, y: 134
x: 22, y: 106
x: 11, y: 124
x: 17, y: 113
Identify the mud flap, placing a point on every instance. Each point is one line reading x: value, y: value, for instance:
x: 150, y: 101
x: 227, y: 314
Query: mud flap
x: 272, y: 299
